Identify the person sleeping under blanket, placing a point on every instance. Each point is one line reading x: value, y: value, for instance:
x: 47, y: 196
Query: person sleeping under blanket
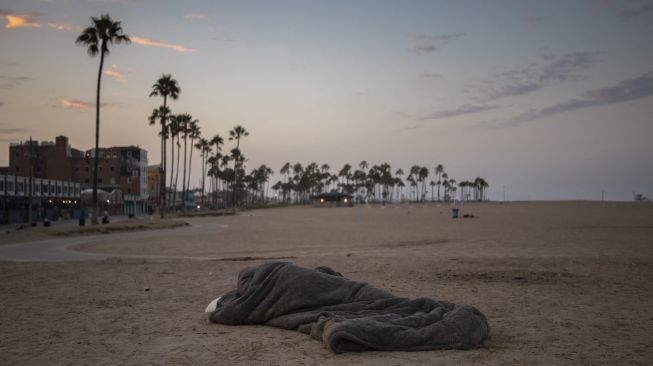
x: 346, y: 315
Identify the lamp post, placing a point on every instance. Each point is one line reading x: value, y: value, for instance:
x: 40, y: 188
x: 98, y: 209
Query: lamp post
x: 30, y: 155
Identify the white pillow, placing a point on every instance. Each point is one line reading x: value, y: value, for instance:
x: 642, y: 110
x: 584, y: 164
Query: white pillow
x: 212, y: 305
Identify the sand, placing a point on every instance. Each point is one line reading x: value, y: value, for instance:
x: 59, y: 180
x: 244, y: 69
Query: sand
x: 560, y: 282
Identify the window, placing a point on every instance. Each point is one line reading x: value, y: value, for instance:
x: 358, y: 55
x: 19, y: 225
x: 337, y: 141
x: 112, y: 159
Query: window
x: 112, y: 180
x: 58, y: 189
x: 86, y: 169
x: 112, y: 169
x: 86, y: 180
x: 65, y: 190
x: 20, y: 187
x: 2, y: 185
x: 44, y: 188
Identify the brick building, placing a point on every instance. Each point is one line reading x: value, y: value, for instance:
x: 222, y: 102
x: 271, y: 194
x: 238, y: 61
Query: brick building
x: 122, y: 168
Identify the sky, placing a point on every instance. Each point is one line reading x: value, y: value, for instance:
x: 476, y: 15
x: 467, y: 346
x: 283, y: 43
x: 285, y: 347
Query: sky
x: 546, y: 100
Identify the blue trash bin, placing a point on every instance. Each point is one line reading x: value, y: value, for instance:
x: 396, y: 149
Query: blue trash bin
x: 454, y: 213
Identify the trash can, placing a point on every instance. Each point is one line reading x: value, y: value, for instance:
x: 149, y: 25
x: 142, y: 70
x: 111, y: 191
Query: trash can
x: 454, y: 213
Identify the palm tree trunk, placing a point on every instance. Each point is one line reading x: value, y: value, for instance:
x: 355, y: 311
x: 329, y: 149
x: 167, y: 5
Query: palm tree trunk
x: 174, y: 200
x: 190, y: 165
x: 172, y: 164
x: 94, y: 216
x: 183, y: 178
x: 162, y: 192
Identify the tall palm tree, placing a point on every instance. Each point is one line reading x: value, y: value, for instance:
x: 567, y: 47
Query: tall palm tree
x: 236, y: 133
x: 203, y: 146
x: 97, y: 39
x: 173, y: 128
x: 193, y: 133
x: 217, y: 141
x: 439, y: 169
x: 165, y: 87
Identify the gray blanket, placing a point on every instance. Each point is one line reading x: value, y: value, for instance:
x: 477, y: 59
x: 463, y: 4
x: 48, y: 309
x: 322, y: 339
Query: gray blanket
x: 347, y: 315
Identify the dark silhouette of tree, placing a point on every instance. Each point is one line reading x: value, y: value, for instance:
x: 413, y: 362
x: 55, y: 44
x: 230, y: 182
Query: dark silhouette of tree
x: 165, y: 87
x: 237, y: 133
x: 97, y: 39
x: 194, y: 133
x: 439, y: 169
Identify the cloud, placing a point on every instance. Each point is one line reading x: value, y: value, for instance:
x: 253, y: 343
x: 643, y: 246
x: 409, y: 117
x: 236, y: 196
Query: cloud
x: 550, y: 70
x: 155, y: 43
x: 410, y: 128
x: 430, y: 43
x: 65, y: 27
x: 19, y: 20
x: 12, y: 130
x: 643, y: 10
x: 117, y: 72
x: 196, y: 16
x: 462, y: 110
x: 627, y: 90
x: 77, y: 104
x: 429, y: 75
x: 8, y: 82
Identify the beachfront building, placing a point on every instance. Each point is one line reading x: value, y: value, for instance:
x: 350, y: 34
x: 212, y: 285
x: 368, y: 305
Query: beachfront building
x: 122, y: 170
x: 51, y: 198
x: 153, y: 186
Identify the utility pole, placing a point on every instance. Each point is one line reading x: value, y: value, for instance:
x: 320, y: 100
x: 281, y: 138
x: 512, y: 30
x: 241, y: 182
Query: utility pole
x: 30, y: 155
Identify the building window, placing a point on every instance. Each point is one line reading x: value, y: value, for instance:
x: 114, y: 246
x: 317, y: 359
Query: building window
x: 10, y: 186
x: 112, y: 180
x: 2, y: 185
x: 112, y: 169
x: 99, y: 180
x: 86, y: 180
x: 86, y: 169
x: 58, y: 189
x: 44, y: 188
x: 20, y: 187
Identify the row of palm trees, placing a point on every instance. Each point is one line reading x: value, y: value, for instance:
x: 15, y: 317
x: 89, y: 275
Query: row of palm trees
x: 97, y: 38
x: 183, y: 127
x: 367, y: 183
x: 373, y: 184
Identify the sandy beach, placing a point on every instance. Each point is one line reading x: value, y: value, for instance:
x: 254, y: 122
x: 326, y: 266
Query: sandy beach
x: 560, y: 283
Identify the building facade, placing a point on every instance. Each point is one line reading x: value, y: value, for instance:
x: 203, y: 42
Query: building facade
x: 121, y: 169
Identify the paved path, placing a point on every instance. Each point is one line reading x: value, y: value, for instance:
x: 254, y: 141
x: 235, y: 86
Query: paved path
x: 61, y: 249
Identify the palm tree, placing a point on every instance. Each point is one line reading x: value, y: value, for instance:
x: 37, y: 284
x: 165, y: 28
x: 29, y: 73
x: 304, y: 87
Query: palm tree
x: 165, y: 87
x: 203, y: 146
x: 173, y: 129
x: 236, y: 134
x: 193, y: 133
x: 400, y: 183
x: 97, y: 38
x: 422, y: 174
x: 438, y: 171
x: 285, y: 170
